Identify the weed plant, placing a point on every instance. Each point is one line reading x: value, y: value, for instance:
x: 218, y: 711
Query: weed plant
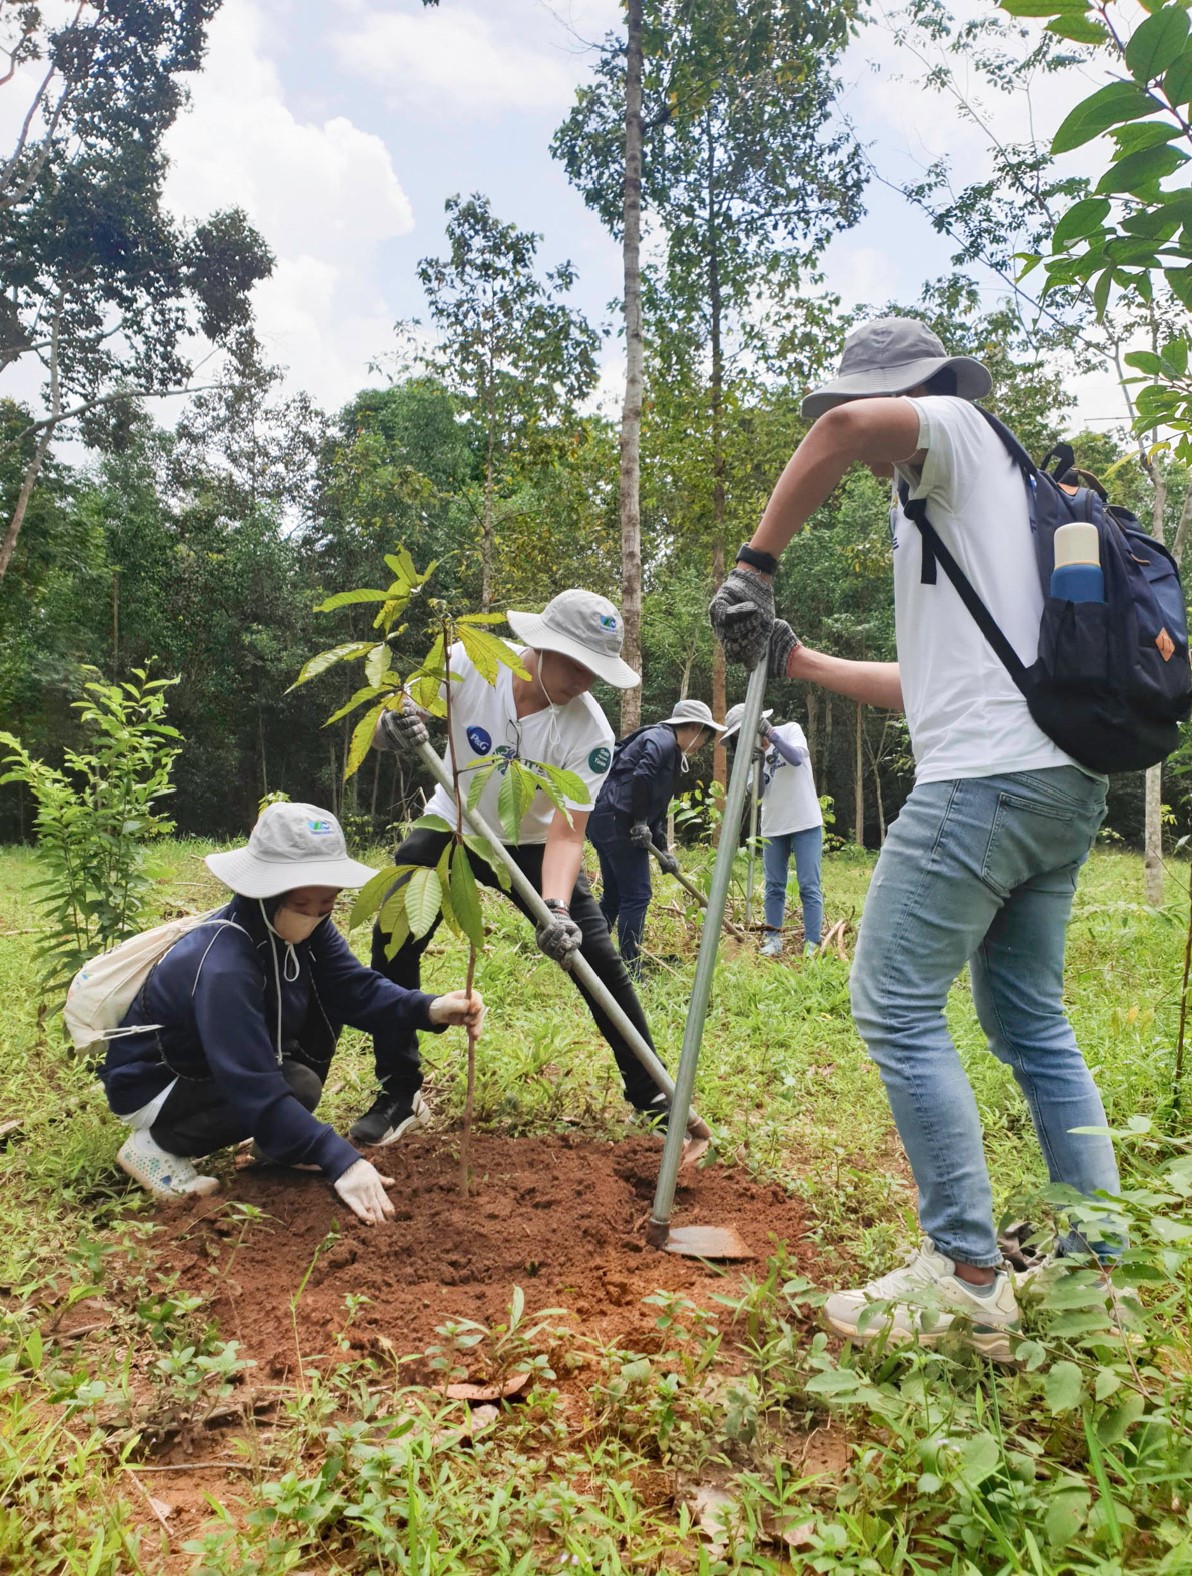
x: 1075, y: 1462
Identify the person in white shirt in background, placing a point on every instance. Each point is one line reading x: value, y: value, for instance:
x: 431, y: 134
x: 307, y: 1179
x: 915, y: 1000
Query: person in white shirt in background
x: 980, y: 866
x: 792, y: 823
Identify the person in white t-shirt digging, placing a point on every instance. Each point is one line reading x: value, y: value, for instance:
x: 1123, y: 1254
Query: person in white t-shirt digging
x: 792, y: 823
x: 548, y: 717
x: 980, y: 867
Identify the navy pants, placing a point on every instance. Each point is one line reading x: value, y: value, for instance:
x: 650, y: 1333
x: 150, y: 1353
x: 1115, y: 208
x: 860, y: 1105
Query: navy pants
x: 625, y: 878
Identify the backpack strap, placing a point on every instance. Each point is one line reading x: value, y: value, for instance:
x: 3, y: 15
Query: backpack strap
x: 916, y: 510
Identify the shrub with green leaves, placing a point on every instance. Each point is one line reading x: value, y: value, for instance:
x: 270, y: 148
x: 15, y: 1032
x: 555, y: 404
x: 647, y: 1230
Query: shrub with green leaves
x: 95, y: 818
x: 1133, y: 233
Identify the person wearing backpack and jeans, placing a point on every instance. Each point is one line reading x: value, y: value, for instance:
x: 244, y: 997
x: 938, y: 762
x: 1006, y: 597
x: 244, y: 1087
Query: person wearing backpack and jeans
x: 980, y: 866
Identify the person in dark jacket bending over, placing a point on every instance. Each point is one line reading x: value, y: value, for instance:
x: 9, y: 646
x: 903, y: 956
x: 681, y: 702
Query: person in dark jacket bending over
x: 630, y: 815
x: 231, y: 1035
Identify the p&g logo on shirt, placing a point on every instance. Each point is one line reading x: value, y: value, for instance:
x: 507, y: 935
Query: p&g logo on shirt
x: 600, y: 759
x: 479, y: 739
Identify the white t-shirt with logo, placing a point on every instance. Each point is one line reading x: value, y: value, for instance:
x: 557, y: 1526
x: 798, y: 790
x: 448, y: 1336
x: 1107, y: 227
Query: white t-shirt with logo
x: 484, y: 723
x: 967, y: 717
x: 790, y: 802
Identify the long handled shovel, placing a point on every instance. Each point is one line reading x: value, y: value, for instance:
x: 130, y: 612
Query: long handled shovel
x: 578, y: 965
x: 694, y: 891
x: 755, y: 801
x: 706, y: 1242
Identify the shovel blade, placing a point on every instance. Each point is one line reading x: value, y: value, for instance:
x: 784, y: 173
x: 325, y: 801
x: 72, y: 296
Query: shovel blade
x: 707, y: 1242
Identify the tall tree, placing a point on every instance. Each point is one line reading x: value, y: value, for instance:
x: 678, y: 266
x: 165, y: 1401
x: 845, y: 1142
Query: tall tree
x: 516, y: 356
x: 631, y: 410
x: 99, y: 285
x: 740, y: 170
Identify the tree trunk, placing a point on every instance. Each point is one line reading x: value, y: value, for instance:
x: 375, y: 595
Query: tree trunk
x: 37, y: 459
x: 115, y: 623
x: 486, y: 531
x: 715, y: 313
x: 859, y: 783
x: 813, y: 730
x: 1152, y: 860
x: 631, y: 409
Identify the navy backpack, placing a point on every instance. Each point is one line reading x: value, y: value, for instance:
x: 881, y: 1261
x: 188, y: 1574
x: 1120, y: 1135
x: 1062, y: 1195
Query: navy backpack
x: 1112, y: 680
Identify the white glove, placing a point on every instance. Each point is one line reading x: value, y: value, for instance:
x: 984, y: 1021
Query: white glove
x: 458, y: 1007
x: 362, y: 1188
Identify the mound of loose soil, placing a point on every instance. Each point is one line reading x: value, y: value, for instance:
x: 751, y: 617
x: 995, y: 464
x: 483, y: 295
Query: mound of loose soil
x: 562, y: 1218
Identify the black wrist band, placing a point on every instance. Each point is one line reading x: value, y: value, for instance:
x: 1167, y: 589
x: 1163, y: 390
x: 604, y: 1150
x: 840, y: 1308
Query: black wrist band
x: 766, y: 562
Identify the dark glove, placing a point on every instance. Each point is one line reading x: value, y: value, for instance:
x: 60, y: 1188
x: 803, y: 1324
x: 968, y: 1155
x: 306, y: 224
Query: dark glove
x: 742, y: 612
x: 783, y: 641
x: 561, y: 937
x: 667, y: 862
x: 403, y: 731
x: 640, y: 835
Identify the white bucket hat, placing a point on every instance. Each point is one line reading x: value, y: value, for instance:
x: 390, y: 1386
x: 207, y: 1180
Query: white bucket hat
x: 583, y: 626
x: 693, y: 711
x: 292, y: 845
x: 889, y: 356
x: 732, y: 720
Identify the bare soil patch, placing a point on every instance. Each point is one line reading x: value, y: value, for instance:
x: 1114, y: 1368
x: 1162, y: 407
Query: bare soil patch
x: 563, y: 1218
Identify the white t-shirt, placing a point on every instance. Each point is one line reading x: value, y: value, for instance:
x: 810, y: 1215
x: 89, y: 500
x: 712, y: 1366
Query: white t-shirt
x: 967, y: 717
x: 484, y: 722
x: 790, y: 802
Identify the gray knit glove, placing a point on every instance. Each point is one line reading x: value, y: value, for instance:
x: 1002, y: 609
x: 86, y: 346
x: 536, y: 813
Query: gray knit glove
x: 742, y: 612
x: 403, y: 731
x: 561, y: 937
x: 783, y: 641
x: 640, y: 834
x: 667, y: 862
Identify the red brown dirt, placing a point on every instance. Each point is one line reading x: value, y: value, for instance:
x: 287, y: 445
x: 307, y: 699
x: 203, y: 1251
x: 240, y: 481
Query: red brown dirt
x: 563, y: 1218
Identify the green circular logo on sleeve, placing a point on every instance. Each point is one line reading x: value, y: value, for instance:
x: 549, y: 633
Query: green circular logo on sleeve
x: 600, y: 760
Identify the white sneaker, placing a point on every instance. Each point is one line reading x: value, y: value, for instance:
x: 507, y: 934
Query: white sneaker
x: 162, y: 1174
x: 921, y: 1300
x: 772, y: 947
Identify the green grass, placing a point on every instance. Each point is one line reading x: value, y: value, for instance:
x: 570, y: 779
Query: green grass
x: 1077, y: 1463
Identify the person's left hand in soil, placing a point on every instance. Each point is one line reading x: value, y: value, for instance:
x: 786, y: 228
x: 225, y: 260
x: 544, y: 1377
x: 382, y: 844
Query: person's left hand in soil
x: 362, y: 1188
x: 457, y: 1009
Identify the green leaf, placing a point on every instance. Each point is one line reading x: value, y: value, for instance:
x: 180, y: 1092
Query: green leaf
x: 1107, y: 1383
x: 351, y: 599
x: 465, y: 897
x: 1101, y: 293
x: 423, y: 901
x: 1036, y: 8
x: 489, y: 652
x: 1157, y: 43
x: 443, y: 873
x: 483, y: 849
x: 480, y: 775
x: 518, y: 788
x: 1080, y: 29
x: 1177, y: 81
x: 1143, y: 134
x: 1111, y: 105
x: 1063, y: 1386
x: 430, y: 823
x: 980, y: 1458
x: 378, y: 662
x: 371, y: 895
x: 369, y: 692
x: 1065, y: 1515
x: 1080, y: 220
x: 327, y: 659
x: 481, y: 618
x: 361, y: 742
x: 394, y: 921
x: 1138, y: 173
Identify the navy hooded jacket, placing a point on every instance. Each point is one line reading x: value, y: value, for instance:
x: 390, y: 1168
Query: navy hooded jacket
x: 213, y: 999
x: 639, y: 786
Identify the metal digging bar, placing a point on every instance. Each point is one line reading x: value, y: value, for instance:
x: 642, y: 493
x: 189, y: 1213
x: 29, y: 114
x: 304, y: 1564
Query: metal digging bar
x: 692, y: 890
x: 706, y: 1242
x: 579, y: 966
x: 754, y: 803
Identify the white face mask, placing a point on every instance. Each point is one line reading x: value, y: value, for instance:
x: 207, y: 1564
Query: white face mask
x: 294, y: 927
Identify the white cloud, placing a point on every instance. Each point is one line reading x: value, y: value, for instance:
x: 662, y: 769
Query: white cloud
x: 324, y: 196
x: 458, y: 60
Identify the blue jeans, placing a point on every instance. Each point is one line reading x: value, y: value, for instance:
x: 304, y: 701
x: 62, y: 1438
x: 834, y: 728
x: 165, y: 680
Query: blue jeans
x: 808, y: 849
x: 625, y: 895
x: 980, y: 871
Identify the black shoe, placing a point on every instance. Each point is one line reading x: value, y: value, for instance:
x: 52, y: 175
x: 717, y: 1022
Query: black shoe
x: 656, y: 1115
x: 389, y: 1118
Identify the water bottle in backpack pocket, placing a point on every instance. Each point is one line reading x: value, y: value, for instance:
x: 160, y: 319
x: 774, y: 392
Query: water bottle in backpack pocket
x: 1111, y: 682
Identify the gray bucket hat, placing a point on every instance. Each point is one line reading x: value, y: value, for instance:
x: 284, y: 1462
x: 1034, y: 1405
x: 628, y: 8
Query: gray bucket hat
x: 583, y: 626
x: 689, y: 711
x: 292, y: 845
x: 889, y: 356
x: 733, y: 717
